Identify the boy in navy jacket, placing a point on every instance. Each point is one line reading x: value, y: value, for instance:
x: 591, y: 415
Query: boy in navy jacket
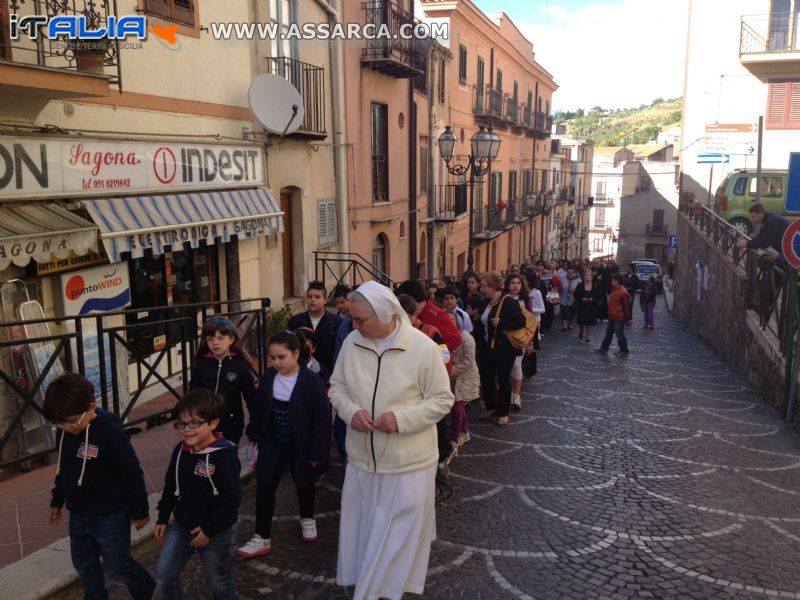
x: 203, y: 491
x: 99, y: 478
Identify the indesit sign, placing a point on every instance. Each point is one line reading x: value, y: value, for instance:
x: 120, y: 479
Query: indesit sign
x: 40, y: 168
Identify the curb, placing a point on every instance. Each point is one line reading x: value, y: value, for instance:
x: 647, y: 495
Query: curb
x: 48, y: 573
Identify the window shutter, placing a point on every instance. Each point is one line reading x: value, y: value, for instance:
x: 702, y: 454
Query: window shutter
x: 183, y: 11
x: 777, y: 104
x: 326, y: 222
x: 793, y: 120
x: 158, y: 7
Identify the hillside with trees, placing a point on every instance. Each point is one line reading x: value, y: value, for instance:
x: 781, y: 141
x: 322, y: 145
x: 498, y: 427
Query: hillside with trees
x: 619, y: 127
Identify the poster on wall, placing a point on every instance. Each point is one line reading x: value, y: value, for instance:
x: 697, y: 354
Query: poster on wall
x: 99, y: 289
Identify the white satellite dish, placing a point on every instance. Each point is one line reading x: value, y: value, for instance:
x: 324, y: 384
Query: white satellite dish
x: 276, y: 104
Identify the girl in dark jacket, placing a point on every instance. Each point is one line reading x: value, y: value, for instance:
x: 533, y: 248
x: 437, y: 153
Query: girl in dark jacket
x: 500, y: 314
x: 223, y: 366
x: 291, y: 426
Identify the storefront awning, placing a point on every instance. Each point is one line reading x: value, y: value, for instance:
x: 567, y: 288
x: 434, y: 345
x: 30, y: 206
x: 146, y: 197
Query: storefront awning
x: 135, y: 223
x: 42, y: 231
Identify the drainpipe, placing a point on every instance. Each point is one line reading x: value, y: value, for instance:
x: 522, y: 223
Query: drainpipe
x: 412, y: 182
x: 335, y: 50
x: 433, y: 263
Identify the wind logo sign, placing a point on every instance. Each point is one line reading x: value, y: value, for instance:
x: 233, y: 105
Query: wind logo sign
x: 76, y: 27
x: 100, y: 289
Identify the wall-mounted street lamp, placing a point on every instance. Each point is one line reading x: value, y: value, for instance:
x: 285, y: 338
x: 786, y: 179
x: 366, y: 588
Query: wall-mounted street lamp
x: 484, y: 146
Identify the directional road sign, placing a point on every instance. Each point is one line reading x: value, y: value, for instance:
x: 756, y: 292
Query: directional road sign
x: 792, y: 202
x: 672, y: 241
x: 732, y: 138
x: 713, y: 158
x: 791, y: 244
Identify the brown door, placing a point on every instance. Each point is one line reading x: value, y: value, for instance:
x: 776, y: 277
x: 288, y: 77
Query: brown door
x: 288, y: 258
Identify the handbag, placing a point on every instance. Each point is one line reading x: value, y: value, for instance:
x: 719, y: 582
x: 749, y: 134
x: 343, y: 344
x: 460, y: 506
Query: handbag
x: 553, y: 297
x: 519, y: 338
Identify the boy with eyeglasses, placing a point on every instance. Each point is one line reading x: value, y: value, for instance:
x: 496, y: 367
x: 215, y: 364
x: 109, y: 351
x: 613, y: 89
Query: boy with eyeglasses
x: 99, y: 478
x: 203, y: 491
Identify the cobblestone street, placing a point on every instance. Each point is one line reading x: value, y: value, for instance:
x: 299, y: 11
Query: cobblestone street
x: 659, y: 475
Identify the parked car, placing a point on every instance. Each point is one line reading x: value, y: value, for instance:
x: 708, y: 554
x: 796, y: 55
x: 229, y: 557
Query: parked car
x: 646, y: 270
x: 737, y: 193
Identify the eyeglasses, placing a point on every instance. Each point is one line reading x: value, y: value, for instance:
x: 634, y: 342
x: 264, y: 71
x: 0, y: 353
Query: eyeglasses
x: 358, y: 321
x: 71, y: 423
x: 193, y: 424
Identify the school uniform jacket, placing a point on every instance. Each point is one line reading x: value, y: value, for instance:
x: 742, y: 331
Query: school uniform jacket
x: 325, y: 334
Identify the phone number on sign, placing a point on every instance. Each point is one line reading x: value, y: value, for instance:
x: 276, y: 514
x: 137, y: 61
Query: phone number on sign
x: 104, y: 184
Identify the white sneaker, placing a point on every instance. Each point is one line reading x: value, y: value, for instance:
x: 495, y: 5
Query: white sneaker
x: 463, y: 439
x: 516, y: 401
x: 257, y: 546
x: 309, y: 529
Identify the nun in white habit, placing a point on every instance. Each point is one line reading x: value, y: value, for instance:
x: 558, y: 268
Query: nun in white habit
x: 390, y: 387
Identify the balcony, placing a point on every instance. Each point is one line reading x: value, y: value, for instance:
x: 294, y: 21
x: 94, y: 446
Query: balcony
x: 488, y: 108
x: 380, y: 178
x: 396, y: 56
x: 657, y: 229
x: 527, y: 117
x: 769, y: 46
x: 542, y: 124
x: 310, y: 82
x: 53, y: 69
x: 449, y: 202
x: 488, y: 223
x: 511, y: 113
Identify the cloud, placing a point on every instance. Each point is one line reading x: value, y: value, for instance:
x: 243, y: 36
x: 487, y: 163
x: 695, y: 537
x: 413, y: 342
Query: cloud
x: 615, y: 56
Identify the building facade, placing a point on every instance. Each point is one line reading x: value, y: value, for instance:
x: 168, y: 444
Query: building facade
x: 742, y: 62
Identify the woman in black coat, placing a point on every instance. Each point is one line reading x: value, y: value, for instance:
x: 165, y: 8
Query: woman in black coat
x: 500, y: 314
x: 588, y: 296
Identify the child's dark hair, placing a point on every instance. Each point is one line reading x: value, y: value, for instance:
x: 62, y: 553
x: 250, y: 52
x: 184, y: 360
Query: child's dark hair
x: 224, y: 326
x: 307, y: 335
x: 408, y: 303
x: 67, y: 396
x: 413, y: 288
x: 292, y: 341
x: 449, y: 290
x: 475, y: 301
x: 202, y: 402
x: 319, y: 286
x: 341, y: 291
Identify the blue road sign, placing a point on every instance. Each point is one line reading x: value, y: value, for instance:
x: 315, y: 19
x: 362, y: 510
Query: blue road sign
x: 672, y: 241
x: 792, y: 202
x: 712, y: 158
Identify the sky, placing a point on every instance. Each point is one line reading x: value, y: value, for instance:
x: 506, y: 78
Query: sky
x: 609, y: 53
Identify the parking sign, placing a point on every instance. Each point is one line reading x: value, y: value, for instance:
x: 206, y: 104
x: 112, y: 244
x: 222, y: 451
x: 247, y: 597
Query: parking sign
x: 672, y: 242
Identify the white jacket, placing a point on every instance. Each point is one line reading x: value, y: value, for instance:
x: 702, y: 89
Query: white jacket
x: 465, y: 370
x: 408, y: 379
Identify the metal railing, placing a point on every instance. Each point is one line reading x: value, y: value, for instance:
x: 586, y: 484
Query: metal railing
x: 310, y: 82
x: 488, y: 101
x: 543, y: 122
x: 63, y: 54
x: 129, y: 369
x: 380, y: 178
x: 450, y: 200
x: 527, y: 116
x: 387, y: 15
x: 654, y: 229
x: 763, y: 34
x: 512, y: 109
x: 487, y: 221
x: 348, y: 268
x: 767, y: 290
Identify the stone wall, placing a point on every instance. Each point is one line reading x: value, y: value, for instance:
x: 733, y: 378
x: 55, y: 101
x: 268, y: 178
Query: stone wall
x: 713, y: 310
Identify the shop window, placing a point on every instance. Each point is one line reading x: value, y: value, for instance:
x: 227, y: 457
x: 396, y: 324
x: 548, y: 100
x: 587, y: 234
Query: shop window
x: 175, y: 278
x: 180, y: 11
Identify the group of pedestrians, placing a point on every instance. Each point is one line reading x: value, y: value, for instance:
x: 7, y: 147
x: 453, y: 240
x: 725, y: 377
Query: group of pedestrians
x: 386, y: 373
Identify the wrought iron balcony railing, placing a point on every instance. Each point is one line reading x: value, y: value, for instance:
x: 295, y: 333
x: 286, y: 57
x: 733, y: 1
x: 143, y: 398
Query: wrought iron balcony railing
x: 310, y: 82
x: 527, y: 116
x: 488, y: 102
x: 656, y: 229
x: 764, y: 34
x: 395, y: 54
x: 512, y: 109
x: 100, y: 57
x: 450, y: 201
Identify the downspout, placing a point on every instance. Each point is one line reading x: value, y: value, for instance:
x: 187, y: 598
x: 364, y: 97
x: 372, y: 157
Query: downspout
x: 412, y: 182
x: 433, y: 263
x: 336, y: 55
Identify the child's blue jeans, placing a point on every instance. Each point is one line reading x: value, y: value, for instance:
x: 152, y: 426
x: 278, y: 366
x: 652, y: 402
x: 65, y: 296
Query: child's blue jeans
x: 109, y: 537
x: 217, y: 561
